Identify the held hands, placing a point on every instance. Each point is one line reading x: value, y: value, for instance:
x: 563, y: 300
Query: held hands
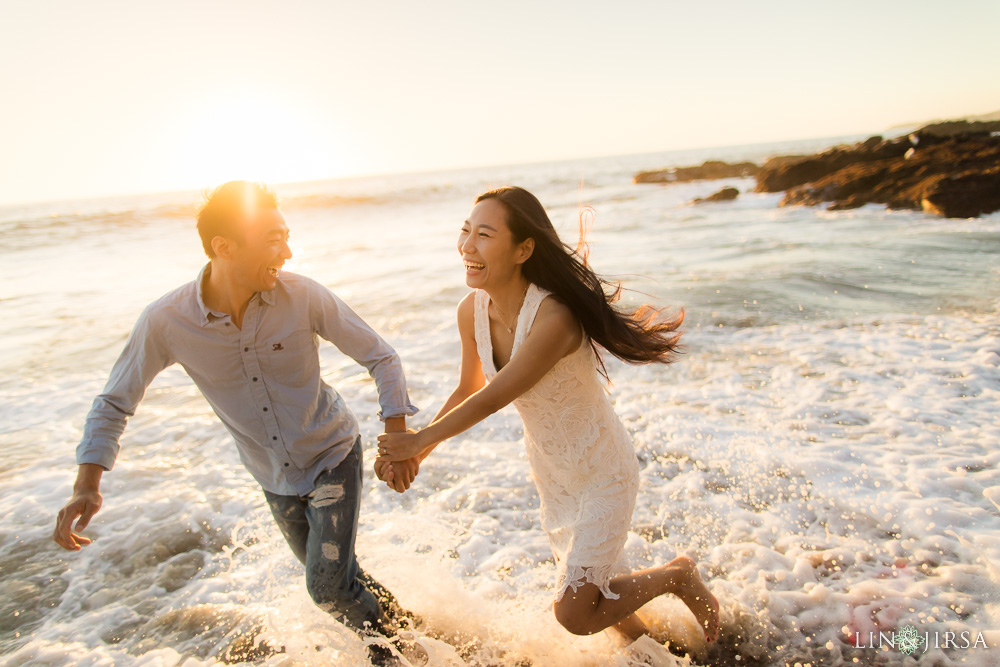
x: 398, y: 475
x: 397, y: 472
x: 401, y: 446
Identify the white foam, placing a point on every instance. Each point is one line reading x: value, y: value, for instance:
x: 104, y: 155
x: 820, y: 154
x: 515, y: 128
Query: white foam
x: 833, y: 473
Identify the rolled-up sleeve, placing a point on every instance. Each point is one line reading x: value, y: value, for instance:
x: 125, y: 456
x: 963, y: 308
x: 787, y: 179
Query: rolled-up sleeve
x: 143, y: 358
x: 336, y: 322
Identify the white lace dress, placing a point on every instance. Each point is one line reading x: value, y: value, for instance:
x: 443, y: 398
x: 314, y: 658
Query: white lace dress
x: 581, y: 457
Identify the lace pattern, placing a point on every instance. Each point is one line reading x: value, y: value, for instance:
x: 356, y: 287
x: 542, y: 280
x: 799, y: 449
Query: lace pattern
x: 581, y: 457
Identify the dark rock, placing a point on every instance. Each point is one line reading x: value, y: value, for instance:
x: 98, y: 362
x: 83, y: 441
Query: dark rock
x: 789, y: 171
x: 725, y: 194
x: 709, y: 170
x: 967, y: 195
x: 952, y: 128
x: 871, y: 142
x: 956, y: 176
x: 853, y: 201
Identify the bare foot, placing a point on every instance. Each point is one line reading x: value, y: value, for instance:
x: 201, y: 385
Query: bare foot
x: 695, y: 594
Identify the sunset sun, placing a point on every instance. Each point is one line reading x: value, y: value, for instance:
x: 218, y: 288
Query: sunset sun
x: 257, y: 137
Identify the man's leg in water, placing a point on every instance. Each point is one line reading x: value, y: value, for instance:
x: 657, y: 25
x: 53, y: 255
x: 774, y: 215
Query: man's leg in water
x: 321, y: 530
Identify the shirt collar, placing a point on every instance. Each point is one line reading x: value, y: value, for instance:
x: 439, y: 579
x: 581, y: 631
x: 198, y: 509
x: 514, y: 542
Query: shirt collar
x: 207, y: 314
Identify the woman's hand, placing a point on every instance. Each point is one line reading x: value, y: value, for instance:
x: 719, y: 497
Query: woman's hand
x: 383, y: 470
x: 401, y: 446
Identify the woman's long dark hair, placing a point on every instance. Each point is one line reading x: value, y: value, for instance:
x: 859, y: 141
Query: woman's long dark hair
x: 636, y: 337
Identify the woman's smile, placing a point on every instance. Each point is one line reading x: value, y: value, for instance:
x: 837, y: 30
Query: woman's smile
x: 473, y: 268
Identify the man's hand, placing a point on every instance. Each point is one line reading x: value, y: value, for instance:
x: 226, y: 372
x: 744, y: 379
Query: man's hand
x: 85, y: 503
x: 404, y: 472
x: 398, y: 475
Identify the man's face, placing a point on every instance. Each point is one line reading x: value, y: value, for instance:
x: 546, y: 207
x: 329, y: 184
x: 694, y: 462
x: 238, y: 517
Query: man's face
x: 263, y: 250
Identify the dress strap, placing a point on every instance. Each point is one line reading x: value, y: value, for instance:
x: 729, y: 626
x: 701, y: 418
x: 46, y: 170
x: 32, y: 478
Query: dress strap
x: 484, y: 342
x: 532, y: 300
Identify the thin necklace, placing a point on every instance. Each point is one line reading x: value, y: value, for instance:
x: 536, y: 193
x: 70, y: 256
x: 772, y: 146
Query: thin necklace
x: 503, y: 315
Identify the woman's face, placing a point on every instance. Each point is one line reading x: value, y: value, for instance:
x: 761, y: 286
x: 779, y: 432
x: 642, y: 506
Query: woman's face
x: 489, y: 252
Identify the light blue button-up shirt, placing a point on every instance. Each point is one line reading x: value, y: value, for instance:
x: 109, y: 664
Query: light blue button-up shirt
x: 263, y: 380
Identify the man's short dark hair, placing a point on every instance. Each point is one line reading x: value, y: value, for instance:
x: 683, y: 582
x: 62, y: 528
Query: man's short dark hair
x: 229, y: 206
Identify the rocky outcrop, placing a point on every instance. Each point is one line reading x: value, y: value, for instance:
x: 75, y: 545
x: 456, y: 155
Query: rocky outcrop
x: 957, y: 176
x: 964, y: 196
x: 709, y: 170
x: 788, y: 171
x: 949, y: 168
x: 725, y: 194
x: 950, y: 128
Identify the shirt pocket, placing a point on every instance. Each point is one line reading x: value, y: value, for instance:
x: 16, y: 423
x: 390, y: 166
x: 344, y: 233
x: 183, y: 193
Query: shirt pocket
x: 292, y: 360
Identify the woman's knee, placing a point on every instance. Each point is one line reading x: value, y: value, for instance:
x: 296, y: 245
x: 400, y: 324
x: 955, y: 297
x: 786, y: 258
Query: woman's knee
x: 573, y: 619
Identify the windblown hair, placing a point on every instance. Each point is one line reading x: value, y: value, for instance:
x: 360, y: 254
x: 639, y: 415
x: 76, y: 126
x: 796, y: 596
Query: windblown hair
x: 637, y: 337
x: 227, y: 207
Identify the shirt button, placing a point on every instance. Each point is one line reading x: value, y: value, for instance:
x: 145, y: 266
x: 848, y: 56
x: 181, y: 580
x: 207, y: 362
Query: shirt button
x: 246, y: 349
x: 255, y: 379
x: 274, y: 437
x: 286, y: 465
x: 265, y: 409
x: 227, y: 324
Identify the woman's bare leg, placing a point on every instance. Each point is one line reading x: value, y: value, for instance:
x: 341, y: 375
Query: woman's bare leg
x: 630, y: 627
x: 585, y: 611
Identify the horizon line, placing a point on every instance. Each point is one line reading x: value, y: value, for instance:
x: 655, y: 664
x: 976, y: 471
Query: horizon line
x: 434, y: 170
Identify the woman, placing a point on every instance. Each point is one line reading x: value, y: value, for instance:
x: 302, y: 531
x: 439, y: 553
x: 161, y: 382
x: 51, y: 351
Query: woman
x: 542, y: 354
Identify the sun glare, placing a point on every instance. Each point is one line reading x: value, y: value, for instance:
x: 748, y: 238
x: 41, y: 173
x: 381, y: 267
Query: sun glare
x: 255, y: 137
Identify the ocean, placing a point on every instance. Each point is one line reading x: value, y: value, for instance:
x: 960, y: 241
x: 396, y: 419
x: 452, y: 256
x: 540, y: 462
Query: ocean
x: 826, y: 447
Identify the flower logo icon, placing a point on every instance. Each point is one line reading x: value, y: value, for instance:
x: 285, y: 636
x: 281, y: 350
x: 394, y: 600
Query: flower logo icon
x: 908, y: 639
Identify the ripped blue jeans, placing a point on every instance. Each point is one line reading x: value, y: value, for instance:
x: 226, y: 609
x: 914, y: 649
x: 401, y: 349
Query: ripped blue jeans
x: 321, y: 529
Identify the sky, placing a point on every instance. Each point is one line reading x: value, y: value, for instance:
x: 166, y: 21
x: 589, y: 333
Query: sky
x: 106, y: 97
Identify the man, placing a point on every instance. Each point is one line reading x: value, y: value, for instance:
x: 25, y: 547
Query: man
x: 247, y: 335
